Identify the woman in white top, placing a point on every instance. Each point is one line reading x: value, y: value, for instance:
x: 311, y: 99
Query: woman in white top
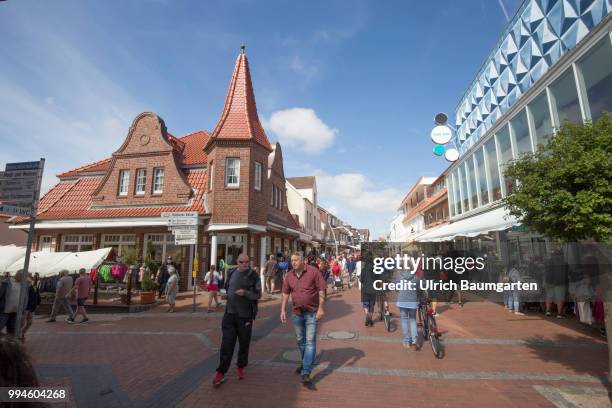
x: 171, y: 288
x: 212, y: 280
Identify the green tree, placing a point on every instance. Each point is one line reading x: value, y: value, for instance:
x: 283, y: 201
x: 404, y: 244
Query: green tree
x: 564, y: 189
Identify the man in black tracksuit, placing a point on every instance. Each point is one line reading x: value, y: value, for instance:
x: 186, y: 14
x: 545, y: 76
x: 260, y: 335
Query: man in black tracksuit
x: 243, y: 288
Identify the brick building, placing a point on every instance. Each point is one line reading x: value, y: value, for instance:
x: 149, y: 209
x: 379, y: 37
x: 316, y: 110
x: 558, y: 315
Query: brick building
x: 233, y: 177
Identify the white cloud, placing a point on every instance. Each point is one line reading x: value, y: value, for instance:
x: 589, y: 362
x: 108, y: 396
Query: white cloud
x: 301, y: 128
x: 300, y: 68
x: 357, y: 200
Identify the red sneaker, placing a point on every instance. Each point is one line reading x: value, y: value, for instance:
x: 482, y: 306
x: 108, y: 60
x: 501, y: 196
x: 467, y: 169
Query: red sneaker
x: 218, y: 379
x: 240, y: 372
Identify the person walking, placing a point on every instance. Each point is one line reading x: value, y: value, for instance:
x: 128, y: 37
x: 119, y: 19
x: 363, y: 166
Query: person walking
x: 9, y: 299
x: 212, y: 280
x: 270, y: 271
x: 81, y: 286
x: 407, y: 301
x: 283, y: 267
x: 555, y: 282
x: 171, y: 288
x: 306, y: 287
x: 32, y: 304
x: 62, y: 290
x: 163, y: 275
x: 243, y: 288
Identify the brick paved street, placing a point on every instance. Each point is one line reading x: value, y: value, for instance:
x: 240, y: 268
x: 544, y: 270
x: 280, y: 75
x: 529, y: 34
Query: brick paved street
x: 155, y: 359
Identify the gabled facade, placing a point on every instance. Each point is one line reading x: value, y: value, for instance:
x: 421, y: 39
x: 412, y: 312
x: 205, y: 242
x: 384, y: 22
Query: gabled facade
x: 233, y: 177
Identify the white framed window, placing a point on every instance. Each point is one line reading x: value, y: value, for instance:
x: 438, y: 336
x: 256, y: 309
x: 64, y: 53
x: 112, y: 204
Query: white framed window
x: 211, y: 176
x: 273, y: 195
x: 162, y: 246
x: 232, y: 172
x: 141, y: 181
x: 77, y: 243
x: 258, y: 176
x: 121, y: 242
x: 158, y: 180
x: 124, y: 181
x: 46, y: 244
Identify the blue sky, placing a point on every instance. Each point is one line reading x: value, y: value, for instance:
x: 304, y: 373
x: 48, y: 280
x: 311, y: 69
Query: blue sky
x: 350, y: 88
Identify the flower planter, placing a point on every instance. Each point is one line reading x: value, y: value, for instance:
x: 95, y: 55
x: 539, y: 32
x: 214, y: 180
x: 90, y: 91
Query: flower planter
x: 147, y: 297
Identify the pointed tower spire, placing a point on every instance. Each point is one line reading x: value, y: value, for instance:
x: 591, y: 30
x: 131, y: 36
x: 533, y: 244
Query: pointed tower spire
x: 239, y: 118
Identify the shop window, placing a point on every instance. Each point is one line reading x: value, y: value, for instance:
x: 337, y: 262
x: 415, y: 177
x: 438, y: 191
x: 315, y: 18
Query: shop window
x: 232, y: 172
x: 565, y: 99
x: 46, y: 244
x: 77, y: 243
x: 141, y: 181
x: 124, y: 181
x: 158, y: 180
x: 596, y: 71
x: 471, y: 176
x: 540, y: 117
x: 482, y: 176
x: 490, y: 152
x: 465, y: 199
x: 505, y: 151
x: 257, y: 176
x: 121, y: 243
x: 520, y: 132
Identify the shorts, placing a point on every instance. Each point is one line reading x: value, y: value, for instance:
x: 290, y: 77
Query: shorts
x: 81, y: 301
x: 212, y: 287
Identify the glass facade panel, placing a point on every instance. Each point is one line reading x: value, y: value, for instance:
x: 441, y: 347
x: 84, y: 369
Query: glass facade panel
x: 520, y: 132
x: 449, y: 189
x: 457, y: 192
x: 492, y: 169
x: 465, y: 198
x: 471, y: 176
x: 540, y: 117
x: 565, y: 98
x: 482, y: 176
x: 505, y: 150
x: 596, y: 69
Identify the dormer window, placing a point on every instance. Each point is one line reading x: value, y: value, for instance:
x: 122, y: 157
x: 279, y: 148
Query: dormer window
x: 158, y: 180
x: 124, y: 181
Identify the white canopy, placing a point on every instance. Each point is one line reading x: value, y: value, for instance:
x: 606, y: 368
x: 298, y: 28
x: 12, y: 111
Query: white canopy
x: 50, y: 263
x: 494, y: 220
x: 9, y: 254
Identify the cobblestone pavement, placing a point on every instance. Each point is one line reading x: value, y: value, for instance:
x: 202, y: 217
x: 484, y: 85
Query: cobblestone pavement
x: 157, y: 359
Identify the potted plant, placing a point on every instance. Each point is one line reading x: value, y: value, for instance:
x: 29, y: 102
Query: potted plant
x: 149, y: 287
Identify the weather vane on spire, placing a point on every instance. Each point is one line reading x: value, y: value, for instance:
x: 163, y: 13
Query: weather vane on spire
x: 242, y: 47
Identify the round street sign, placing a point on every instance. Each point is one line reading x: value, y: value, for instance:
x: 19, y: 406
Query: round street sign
x: 439, y: 150
x: 441, y: 118
x: 451, y: 155
x: 441, y: 134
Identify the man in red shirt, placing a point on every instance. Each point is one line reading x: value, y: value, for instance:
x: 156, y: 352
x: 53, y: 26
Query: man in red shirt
x: 307, y: 289
x: 81, y: 286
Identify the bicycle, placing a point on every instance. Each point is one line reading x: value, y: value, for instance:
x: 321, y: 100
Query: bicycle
x: 385, y: 314
x: 429, y: 327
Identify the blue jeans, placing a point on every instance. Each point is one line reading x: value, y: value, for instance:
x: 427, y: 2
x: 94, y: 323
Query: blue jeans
x: 306, y: 335
x: 409, y: 316
x: 512, y: 300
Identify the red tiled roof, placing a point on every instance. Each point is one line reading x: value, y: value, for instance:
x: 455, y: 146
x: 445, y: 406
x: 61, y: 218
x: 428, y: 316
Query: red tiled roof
x: 239, y: 118
x: 72, y: 200
x: 194, y: 147
x: 191, y: 148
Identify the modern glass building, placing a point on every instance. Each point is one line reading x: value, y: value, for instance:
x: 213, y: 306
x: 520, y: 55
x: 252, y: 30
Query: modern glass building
x: 553, y: 63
